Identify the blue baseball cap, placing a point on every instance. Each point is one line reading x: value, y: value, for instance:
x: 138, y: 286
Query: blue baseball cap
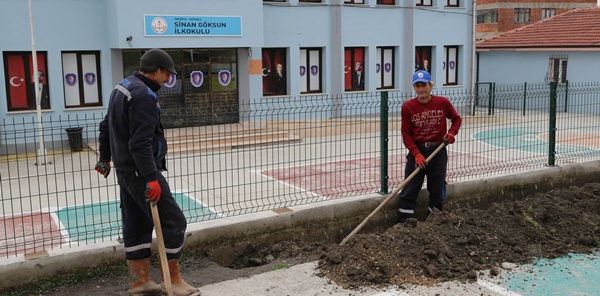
x: 421, y: 76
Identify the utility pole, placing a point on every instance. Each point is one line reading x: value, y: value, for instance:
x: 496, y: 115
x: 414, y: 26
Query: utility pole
x: 41, y: 153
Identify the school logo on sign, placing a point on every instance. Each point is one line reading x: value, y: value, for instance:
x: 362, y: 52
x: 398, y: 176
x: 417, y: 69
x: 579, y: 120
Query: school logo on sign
x: 197, y: 78
x: 90, y: 78
x: 172, y: 80
x: 302, y: 70
x: 314, y: 69
x: 159, y: 25
x: 387, y: 67
x: 224, y: 77
x: 71, y: 79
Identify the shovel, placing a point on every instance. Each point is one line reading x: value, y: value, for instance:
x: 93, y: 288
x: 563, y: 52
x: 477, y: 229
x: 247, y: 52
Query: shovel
x: 164, y: 264
x: 387, y: 199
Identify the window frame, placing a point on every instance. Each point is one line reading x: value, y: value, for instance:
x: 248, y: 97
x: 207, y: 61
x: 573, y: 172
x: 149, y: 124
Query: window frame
x: 447, y: 65
x: 27, y: 59
x: 484, y: 15
x: 381, y: 61
x: 423, y: 53
x: 424, y: 3
x: 449, y: 3
x: 307, y: 71
x: 560, y: 71
x: 81, y: 79
x: 522, y: 15
x: 352, y: 51
x: 273, y: 55
x: 354, y: 1
x: 548, y: 12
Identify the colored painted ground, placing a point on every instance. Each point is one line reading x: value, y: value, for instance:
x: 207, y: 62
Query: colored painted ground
x: 576, y: 274
x: 535, y: 139
x: 81, y: 223
x: 362, y: 176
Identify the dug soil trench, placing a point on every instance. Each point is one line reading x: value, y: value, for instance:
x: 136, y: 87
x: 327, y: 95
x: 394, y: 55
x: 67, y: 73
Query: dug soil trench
x: 454, y: 245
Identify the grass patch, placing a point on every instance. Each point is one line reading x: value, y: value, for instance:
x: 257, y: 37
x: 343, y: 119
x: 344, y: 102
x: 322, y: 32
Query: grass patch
x: 281, y: 266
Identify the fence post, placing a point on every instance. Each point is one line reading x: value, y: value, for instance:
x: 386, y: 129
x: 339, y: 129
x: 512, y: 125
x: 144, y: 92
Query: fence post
x: 491, y: 94
x: 491, y: 100
x: 524, y: 98
x: 552, y: 127
x: 566, y: 95
x: 384, y: 138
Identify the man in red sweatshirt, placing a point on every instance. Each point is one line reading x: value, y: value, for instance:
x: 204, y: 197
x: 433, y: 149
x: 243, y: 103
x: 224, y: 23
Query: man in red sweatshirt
x: 423, y: 130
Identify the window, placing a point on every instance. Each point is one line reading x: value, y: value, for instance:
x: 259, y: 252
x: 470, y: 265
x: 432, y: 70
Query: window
x: 548, y: 12
x: 354, y: 1
x: 423, y: 58
x: 452, y: 3
x: 558, y: 69
x: 522, y: 15
x: 354, y: 70
x: 274, y: 64
x: 487, y: 16
x: 385, y: 67
x: 423, y: 2
x: 310, y: 70
x: 450, y: 65
x: 274, y: 0
x: 313, y: 1
x: 385, y: 2
x: 20, y: 85
x: 81, y: 79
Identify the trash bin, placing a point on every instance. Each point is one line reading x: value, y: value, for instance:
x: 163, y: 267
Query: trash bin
x: 75, y: 138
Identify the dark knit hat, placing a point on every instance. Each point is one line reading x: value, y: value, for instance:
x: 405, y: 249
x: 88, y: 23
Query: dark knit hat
x: 154, y: 58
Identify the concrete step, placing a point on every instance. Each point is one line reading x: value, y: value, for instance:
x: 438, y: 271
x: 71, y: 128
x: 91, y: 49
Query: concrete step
x: 219, y: 137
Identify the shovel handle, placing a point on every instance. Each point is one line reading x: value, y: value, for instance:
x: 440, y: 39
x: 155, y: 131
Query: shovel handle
x: 164, y: 264
x: 387, y: 199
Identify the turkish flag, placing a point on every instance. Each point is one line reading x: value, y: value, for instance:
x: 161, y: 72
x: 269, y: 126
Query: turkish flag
x: 266, y: 62
x: 16, y: 79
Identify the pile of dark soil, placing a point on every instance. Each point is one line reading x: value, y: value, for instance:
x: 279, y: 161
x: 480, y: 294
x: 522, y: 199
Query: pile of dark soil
x: 458, y: 245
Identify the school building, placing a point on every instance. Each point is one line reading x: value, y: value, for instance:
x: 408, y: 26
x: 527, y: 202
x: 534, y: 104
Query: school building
x: 229, y: 54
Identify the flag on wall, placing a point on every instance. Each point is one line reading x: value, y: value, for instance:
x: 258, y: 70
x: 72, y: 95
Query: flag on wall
x: 18, y: 83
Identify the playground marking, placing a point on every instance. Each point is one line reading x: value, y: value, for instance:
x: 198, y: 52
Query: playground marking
x: 291, y: 185
x: 29, y: 233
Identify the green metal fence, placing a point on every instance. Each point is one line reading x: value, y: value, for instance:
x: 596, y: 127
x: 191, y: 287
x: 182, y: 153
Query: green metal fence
x: 285, y: 151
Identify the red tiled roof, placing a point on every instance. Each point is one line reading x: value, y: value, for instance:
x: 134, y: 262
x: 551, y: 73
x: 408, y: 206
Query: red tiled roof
x: 574, y: 28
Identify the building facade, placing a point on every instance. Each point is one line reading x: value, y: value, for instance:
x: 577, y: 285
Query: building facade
x: 228, y: 53
x: 564, y: 48
x: 495, y: 17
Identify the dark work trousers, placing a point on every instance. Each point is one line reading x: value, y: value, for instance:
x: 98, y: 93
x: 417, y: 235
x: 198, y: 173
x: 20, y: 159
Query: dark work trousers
x: 436, y: 178
x: 137, y: 217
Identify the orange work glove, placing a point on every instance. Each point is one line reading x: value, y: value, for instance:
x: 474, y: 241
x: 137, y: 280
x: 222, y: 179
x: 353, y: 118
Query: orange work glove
x: 153, y: 192
x: 103, y: 167
x: 420, y: 161
x: 449, y: 138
